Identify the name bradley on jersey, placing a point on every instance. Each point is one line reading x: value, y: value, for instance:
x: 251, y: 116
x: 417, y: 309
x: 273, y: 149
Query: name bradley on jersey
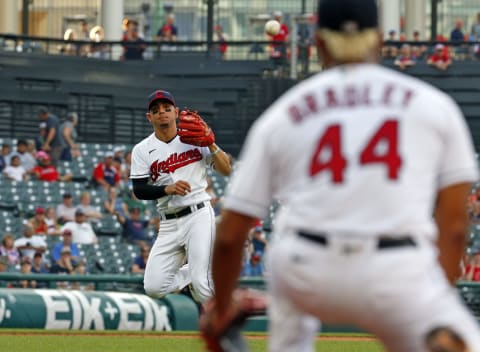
x: 349, y: 96
x: 174, y: 162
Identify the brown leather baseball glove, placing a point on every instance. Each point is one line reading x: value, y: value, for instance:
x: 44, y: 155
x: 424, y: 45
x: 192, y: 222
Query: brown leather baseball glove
x: 192, y: 129
x: 225, y: 335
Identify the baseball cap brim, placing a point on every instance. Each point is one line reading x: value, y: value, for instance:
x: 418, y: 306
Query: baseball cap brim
x: 159, y: 95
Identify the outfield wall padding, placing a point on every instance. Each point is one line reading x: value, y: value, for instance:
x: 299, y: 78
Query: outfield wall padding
x: 92, y: 310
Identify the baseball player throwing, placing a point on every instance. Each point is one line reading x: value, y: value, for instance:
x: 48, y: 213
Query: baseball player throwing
x: 170, y: 166
x: 373, y: 169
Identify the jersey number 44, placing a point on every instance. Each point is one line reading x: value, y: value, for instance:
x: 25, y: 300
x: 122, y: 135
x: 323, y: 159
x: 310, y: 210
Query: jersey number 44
x: 336, y: 163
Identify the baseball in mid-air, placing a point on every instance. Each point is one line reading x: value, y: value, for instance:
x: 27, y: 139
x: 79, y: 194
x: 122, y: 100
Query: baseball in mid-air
x: 272, y: 27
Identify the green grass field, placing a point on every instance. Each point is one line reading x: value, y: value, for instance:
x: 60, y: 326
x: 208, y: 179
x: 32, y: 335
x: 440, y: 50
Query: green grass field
x: 113, y: 341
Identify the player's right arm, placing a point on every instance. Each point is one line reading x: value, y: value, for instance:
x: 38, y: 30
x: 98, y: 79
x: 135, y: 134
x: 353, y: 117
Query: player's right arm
x: 452, y: 220
x: 457, y: 171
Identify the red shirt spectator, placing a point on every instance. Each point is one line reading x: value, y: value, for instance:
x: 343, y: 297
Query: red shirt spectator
x: 279, y: 50
x: 105, y: 173
x: 45, y: 171
x: 440, y: 58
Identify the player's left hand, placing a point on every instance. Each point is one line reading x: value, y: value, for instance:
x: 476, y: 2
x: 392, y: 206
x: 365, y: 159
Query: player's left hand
x: 223, y: 333
x: 179, y: 188
x: 192, y: 129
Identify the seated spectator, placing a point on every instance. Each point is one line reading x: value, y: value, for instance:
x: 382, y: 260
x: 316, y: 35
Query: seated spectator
x: 246, y: 257
x: 390, y: 47
x: 39, y: 266
x: 26, y: 268
x: 38, y: 223
x: 405, y: 59
x: 5, y: 268
x: 105, y: 174
x: 90, y: 211
x: 82, y: 231
x: 125, y: 170
x: 30, y: 243
x: 140, y: 262
x: 5, y: 156
x: 134, y: 227
x: 66, y: 242
x: 66, y: 210
x: 52, y: 222
x: 63, y: 266
x: 15, y: 171
x: 418, y: 49
x: 45, y: 171
x: 440, y: 58
x: 472, y: 270
x: 8, y: 250
x: 81, y: 269
x: 114, y: 204
x: 27, y: 160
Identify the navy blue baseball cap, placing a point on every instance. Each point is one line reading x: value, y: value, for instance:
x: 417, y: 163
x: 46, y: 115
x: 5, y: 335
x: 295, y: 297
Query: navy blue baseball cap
x: 347, y: 15
x: 160, y: 95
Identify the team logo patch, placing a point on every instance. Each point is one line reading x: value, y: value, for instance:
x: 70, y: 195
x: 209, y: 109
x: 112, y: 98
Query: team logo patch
x: 174, y: 162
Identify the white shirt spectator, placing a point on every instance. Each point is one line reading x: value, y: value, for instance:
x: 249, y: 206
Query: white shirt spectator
x: 33, y: 244
x: 15, y: 173
x: 82, y: 231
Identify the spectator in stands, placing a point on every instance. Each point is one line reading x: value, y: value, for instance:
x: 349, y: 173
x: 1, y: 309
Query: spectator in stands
x: 133, y: 45
x: 66, y: 209
x: 247, y: 255
x: 66, y: 242
x: 8, y: 250
x: 5, y: 156
x: 391, y: 45
x: 405, y: 59
x: 52, y: 222
x: 418, y: 49
x: 68, y: 135
x: 26, y: 268
x: 30, y: 243
x: 278, y: 52
x: 97, y: 49
x: 82, y: 231
x: 125, y: 169
x: 168, y: 33
x: 69, y: 48
x: 476, y: 29
x: 220, y: 37
x: 47, y: 172
x: 81, y: 269
x: 472, y: 270
x: 27, y: 160
x: 63, y: 266
x: 15, y: 171
x: 38, y: 222
x: 40, y: 266
x: 134, y: 228
x: 105, y: 174
x: 474, y: 205
x: 52, y: 143
x: 115, y: 204
x: 90, y: 211
x: 138, y: 266
x: 457, y: 35
x: 440, y: 58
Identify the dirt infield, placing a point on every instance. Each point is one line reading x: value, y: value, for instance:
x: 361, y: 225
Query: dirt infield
x: 160, y: 335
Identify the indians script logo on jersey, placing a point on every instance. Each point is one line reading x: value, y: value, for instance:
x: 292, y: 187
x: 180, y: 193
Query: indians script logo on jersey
x: 174, y: 162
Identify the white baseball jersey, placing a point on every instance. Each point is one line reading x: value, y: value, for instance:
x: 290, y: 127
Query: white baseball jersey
x: 166, y: 163
x: 352, y: 136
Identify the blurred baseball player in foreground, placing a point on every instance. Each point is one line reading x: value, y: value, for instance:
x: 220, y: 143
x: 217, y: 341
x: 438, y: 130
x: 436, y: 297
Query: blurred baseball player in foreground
x: 170, y: 166
x: 361, y: 157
